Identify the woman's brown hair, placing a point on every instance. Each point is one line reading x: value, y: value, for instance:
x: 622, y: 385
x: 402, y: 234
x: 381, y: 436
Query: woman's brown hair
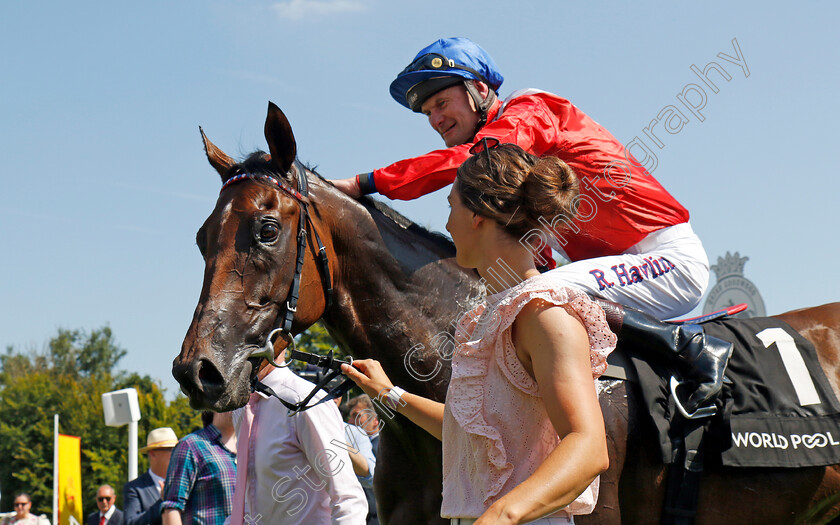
x: 515, y: 188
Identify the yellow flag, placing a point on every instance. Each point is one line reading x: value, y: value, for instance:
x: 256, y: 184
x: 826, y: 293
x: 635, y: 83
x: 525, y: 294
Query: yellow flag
x: 69, y: 480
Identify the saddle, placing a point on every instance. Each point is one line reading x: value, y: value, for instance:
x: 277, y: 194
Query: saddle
x: 776, y: 408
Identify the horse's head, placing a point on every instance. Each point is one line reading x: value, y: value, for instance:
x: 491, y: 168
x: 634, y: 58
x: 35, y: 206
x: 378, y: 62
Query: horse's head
x: 250, y: 248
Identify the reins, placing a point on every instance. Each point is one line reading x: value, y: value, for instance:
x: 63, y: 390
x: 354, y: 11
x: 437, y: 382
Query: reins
x: 283, y: 325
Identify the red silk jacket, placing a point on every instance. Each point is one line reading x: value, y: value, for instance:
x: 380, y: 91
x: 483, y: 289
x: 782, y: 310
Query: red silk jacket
x: 620, y: 201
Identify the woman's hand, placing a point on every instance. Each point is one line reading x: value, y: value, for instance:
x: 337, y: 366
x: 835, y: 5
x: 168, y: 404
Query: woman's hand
x: 368, y: 374
x: 370, y: 377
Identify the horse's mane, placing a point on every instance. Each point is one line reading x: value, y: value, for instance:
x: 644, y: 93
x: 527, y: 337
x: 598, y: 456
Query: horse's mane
x: 257, y: 162
x: 404, y: 222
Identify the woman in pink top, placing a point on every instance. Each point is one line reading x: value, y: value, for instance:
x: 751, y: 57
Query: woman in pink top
x: 522, y: 431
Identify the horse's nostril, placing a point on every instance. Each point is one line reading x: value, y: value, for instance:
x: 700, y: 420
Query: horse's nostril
x: 208, y: 375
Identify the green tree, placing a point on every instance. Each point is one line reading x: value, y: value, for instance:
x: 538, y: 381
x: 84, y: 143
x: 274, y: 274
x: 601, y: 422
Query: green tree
x: 317, y: 340
x: 68, y: 378
x: 79, y: 354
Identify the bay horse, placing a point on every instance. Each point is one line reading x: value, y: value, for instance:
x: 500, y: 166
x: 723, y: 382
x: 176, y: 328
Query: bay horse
x: 397, y: 294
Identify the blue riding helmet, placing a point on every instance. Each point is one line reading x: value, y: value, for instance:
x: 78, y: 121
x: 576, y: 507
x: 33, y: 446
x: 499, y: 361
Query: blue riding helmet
x: 444, y: 63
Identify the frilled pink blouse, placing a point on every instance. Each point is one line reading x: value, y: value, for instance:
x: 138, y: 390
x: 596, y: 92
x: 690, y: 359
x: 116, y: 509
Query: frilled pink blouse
x: 495, y: 428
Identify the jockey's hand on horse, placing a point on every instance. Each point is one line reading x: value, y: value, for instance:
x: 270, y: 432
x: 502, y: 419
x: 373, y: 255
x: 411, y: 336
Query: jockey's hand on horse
x: 369, y: 375
x: 349, y: 187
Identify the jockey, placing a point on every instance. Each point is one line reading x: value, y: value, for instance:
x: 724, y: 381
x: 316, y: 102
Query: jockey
x: 631, y: 242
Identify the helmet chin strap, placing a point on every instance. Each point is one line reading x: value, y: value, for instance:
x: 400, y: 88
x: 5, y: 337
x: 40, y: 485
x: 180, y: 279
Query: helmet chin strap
x: 482, y: 104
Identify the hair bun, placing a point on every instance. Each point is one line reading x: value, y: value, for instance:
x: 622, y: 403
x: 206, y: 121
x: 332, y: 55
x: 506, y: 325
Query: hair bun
x: 518, y: 190
x: 550, y: 189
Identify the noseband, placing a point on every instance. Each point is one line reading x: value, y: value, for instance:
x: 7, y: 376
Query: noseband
x: 283, y: 325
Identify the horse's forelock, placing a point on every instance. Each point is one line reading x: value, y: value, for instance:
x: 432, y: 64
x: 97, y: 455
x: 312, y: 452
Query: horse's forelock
x: 257, y: 162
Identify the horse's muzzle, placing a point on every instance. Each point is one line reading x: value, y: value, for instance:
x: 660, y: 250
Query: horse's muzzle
x: 204, y: 384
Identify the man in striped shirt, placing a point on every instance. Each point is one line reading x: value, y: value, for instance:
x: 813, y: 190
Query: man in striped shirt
x: 201, y: 475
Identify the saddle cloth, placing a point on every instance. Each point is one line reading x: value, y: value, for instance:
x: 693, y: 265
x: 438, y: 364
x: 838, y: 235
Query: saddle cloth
x: 776, y: 410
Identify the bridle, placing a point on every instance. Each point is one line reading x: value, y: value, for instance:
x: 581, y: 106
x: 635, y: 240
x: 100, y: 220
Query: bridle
x: 283, y: 325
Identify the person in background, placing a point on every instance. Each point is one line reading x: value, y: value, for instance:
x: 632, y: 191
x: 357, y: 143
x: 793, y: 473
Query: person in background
x: 142, y: 496
x: 362, y: 455
x: 358, y: 443
x: 361, y: 415
x: 108, y: 513
x: 360, y: 412
x: 202, y: 474
x: 22, y: 505
x: 289, y: 468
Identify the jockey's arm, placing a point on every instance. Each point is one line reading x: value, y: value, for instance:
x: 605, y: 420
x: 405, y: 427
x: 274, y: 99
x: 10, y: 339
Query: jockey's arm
x: 423, y: 412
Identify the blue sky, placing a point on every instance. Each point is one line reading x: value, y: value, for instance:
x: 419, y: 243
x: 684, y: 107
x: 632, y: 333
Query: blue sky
x: 104, y: 181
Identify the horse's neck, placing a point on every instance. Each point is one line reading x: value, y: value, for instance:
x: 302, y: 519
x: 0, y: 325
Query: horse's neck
x: 397, y: 291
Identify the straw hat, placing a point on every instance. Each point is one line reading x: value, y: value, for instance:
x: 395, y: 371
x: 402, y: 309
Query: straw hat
x: 160, y: 438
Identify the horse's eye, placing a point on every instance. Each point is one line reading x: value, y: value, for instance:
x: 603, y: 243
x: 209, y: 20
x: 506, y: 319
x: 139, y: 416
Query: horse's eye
x: 269, y: 232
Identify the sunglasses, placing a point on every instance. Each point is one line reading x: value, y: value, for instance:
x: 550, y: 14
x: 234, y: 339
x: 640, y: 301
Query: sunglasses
x: 104, y: 498
x: 22, y: 504
x: 485, y: 145
x: 437, y: 62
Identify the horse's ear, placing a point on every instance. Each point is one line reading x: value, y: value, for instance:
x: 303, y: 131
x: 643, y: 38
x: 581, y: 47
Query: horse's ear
x: 281, y: 141
x: 218, y: 159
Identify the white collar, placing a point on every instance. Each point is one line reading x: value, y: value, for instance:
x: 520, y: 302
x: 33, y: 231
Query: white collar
x: 110, y: 512
x: 157, y: 479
